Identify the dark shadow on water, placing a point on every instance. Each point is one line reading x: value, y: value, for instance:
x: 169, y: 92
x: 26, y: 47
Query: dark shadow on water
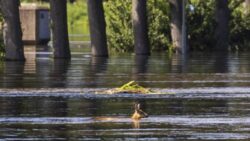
x: 97, y: 67
x: 179, y: 63
x: 13, y: 74
x: 98, y: 64
x: 140, y: 69
x: 221, y: 62
x: 158, y: 70
x: 141, y: 64
x: 59, y: 72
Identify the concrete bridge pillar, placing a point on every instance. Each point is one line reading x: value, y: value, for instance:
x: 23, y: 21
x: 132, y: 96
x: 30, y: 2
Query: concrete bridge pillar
x: 97, y: 28
x: 140, y: 27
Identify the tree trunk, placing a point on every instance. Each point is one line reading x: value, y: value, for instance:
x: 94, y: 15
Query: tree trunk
x: 176, y: 24
x: 97, y: 28
x: 12, y: 30
x: 59, y: 28
x: 140, y: 27
x: 222, y: 15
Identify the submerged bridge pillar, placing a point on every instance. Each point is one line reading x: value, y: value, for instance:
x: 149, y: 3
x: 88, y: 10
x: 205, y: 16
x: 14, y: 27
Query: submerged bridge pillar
x: 140, y: 27
x: 59, y: 27
x: 97, y: 28
x: 222, y: 16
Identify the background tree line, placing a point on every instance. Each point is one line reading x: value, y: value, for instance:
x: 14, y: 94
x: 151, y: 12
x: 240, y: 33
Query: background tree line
x: 1, y: 37
x: 201, y: 23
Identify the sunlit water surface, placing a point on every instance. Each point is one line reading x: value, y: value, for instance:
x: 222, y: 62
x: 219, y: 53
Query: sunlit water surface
x: 46, y: 99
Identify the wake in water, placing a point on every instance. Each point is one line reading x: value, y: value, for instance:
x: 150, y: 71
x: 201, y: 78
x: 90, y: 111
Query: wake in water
x: 206, y: 92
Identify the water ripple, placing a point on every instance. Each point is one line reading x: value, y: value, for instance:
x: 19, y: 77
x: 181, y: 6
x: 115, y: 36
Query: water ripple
x: 177, y: 120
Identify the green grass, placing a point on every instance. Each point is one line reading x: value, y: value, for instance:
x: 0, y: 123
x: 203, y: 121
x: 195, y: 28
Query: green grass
x: 78, y: 18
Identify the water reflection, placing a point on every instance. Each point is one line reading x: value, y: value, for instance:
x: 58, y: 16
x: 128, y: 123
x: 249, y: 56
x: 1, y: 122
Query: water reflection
x: 13, y: 74
x: 59, y: 72
x: 179, y: 63
x: 78, y: 118
x: 141, y: 64
x: 140, y: 69
x: 221, y: 62
x: 136, y: 124
x: 184, y: 117
x: 158, y: 70
x: 119, y: 108
x: 96, y: 70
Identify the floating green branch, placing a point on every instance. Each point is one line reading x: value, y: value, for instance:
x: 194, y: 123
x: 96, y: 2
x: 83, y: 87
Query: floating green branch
x: 130, y: 87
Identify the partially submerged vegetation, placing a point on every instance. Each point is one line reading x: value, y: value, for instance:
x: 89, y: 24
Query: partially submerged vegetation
x: 132, y: 88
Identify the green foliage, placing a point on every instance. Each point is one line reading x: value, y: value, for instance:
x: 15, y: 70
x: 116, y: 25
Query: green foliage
x: 200, y: 21
x: 34, y: 1
x: 130, y: 87
x: 119, y: 25
x: 77, y: 17
x: 159, y: 30
x: 201, y: 24
x: 29, y: 1
x: 240, y: 26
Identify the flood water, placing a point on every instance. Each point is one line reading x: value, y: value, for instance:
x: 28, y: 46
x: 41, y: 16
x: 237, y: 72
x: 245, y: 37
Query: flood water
x: 46, y: 99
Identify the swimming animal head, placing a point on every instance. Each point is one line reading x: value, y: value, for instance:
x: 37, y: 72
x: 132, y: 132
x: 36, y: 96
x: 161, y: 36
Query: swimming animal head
x: 138, y: 114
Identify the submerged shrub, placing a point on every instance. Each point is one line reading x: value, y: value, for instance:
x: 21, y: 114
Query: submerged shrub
x: 119, y: 25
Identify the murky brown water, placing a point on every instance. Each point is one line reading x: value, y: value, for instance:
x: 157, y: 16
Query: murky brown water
x: 46, y: 99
